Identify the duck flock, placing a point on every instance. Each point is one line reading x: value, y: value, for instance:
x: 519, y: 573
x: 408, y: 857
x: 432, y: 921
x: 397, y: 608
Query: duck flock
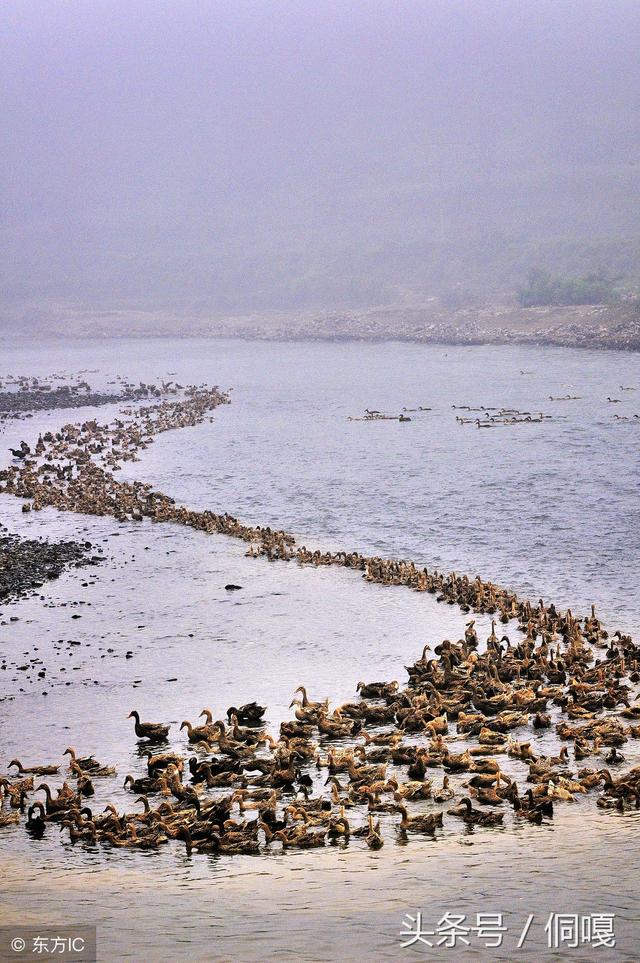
x: 459, y: 743
x: 493, y: 417
x: 20, y: 396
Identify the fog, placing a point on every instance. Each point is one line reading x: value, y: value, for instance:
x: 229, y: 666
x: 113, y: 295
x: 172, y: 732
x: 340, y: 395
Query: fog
x: 260, y: 156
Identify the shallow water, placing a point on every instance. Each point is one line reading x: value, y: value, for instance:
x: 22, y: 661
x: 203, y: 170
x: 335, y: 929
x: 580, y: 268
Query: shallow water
x: 548, y: 509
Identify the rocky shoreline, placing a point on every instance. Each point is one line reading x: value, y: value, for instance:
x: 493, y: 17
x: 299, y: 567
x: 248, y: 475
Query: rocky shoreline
x: 26, y: 564
x: 585, y: 326
x: 599, y: 326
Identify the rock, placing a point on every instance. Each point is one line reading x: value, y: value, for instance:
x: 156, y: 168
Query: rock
x: 26, y: 563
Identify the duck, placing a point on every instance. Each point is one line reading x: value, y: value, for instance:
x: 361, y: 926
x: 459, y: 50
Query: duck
x: 445, y: 792
x: 307, y: 704
x: 457, y: 763
x: 343, y: 797
x: 582, y: 749
x: 376, y: 690
x: 422, y: 823
x: 541, y: 720
x: 333, y: 728
x: 249, y: 714
x: 627, y: 786
x: 490, y: 766
x: 17, y: 793
x: 84, y: 786
x: 339, y: 826
x: 488, y: 737
x: 249, y: 735
x: 413, y: 789
x: 158, y: 762
x: 97, y: 771
x: 614, y: 757
x: 86, y: 763
x: 489, y: 795
x: 206, y: 733
x: 552, y: 762
x: 35, y: 823
x: 522, y: 750
x: 80, y: 831
x: 423, y: 760
x: 468, y: 814
x: 532, y: 815
x: 560, y: 792
x: 300, y: 839
x: 34, y: 770
x: 154, y: 731
x: 62, y: 802
x: 373, y: 837
x: 367, y: 774
x: 144, y: 784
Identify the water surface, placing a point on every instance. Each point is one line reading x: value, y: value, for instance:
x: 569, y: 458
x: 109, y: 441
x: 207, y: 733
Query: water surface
x: 548, y: 509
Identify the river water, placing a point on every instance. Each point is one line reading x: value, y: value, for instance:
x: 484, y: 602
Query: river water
x: 547, y: 509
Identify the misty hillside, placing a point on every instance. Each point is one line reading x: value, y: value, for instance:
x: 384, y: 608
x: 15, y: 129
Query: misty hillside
x: 285, y: 155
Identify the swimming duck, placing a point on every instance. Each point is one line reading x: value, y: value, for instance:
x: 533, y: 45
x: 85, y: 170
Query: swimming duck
x: 84, y: 786
x: 34, y: 770
x: 87, y: 763
x: 97, y: 771
x: 559, y: 792
x: 365, y: 773
x: 376, y: 690
x: 157, y: 762
x: 472, y: 816
x: 206, y: 733
x: 457, y: 762
x: 250, y: 714
x: 153, y: 731
x: 307, y: 704
x: 35, y: 824
x: 373, y: 837
x: 422, y: 823
x: 534, y: 815
x: 614, y: 757
x: 300, y: 839
x: 63, y: 801
x: 445, y: 792
x: 410, y: 790
x: 489, y: 795
x: 144, y: 784
x: 339, y: 826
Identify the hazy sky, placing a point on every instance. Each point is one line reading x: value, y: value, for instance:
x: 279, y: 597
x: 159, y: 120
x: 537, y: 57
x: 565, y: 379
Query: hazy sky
x: 194, y: 149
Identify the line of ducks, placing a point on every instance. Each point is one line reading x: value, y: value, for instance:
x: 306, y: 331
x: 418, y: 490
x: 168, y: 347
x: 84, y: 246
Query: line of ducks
x: 380, y: 416
x: 502, y: 416
x: 65, y: 474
